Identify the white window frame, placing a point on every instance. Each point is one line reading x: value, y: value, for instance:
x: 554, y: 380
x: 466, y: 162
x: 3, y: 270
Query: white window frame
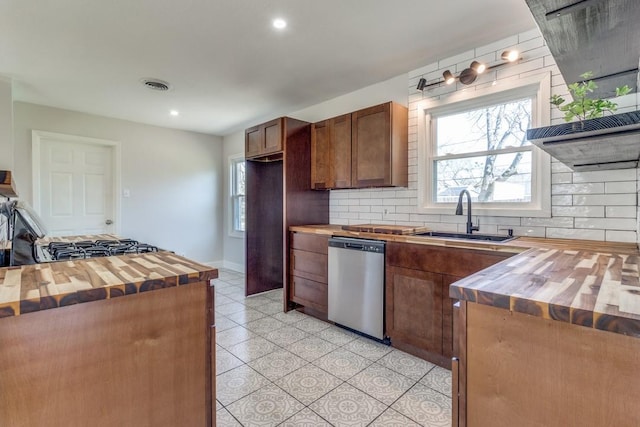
x: 233, y: 160
x: 537, y: 87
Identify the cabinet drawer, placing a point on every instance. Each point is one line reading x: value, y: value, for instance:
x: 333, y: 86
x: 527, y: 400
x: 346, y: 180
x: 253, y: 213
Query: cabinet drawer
x: 309, y: 293
x: 309, y: 265
x: 310, y: 242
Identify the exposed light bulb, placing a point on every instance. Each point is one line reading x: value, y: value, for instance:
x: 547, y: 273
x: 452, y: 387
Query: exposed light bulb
x: 448, y: 77
x: 174, y: 113
x: 510, y: 55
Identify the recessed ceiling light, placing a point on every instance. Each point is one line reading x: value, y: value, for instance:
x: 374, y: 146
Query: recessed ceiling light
x: 174, y: 112
x: 279, y: 23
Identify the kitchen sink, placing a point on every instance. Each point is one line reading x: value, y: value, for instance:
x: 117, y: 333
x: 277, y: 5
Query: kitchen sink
x: 465, y: 236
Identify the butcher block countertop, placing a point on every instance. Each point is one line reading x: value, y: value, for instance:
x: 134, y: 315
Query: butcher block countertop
x: 587, y: 283
x: 31, y: 288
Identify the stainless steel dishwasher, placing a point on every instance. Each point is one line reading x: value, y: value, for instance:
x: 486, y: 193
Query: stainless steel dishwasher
x: 356, y: 285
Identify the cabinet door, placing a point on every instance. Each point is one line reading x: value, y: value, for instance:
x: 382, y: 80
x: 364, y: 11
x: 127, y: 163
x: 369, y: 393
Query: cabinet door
x: 321, y: 155
x: 414, y: 308
x: 371, y: 146
x: 253, y: 142
x: 309, y: 265
x: 341, y: 151
x: 272, y: 137
x: 447, y: 315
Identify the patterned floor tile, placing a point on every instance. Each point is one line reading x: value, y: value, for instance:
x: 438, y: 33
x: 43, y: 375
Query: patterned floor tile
x: 277, y: 364
x: 368, y: 348
x: 425, y: 406
x: 275, y: 295
x: 268, y: 406
x: 289, y: 317
x: 342, y: 363
x: 236, y: 281
x: 230, y: 308
x: 252, y: 349
x: 236, y: 294
x: 225, y: 361
x: 237, y: 383
x: 308, y: 383
x: 264, y: 326
x: 391, y: 418
x: 229, y: 289
x: 246, y: 316
x: 438, y: 379
x: 406, y: 364
x: 348, y: 406
x: 285, y: 336
x: 222, y: 300
x: 223, y: 323
x: 225, y: 419
x: 312, y: 325
x: 256, y: 301
x: 218, y: 405
x: 337, y: 336
x: 305, y: 418
x: 233, y: 336
x: 271, y: 307
x: 311, y: 348
x: 382, y: 383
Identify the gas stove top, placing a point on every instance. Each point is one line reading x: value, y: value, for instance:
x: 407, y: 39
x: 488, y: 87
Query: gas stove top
x: 61, y: 251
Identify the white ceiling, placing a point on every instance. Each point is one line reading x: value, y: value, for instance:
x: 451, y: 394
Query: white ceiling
x: 228, y: 67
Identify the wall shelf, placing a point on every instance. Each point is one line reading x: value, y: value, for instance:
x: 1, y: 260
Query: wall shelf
x: 604, y: 143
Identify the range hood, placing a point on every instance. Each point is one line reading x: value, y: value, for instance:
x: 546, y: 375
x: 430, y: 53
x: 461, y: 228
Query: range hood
x: 602, y: 36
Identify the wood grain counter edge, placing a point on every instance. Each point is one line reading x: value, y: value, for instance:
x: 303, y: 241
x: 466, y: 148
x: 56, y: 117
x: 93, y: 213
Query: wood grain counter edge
x: 37, y: 287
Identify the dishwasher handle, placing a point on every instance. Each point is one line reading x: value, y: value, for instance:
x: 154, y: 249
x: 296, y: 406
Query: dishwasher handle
x: 349, y: 245
x: 357, y: 244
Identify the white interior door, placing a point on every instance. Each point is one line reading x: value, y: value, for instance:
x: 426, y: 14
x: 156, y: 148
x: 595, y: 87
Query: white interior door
x: 76, y: 186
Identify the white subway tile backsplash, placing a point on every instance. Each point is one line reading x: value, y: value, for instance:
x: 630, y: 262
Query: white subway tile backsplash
x: 606, y: 223
x: 562, y: 178
x: 590, y: 188
x: 605, y: 176
x: 621, y: 236
x: 548, y: 222
x: 598, y: 205
x: 578, y: 211
x: 563, y: 200
x: 620, y: 187
x: 620, y: 212
x: 605, y: 199
x: 572, y: 233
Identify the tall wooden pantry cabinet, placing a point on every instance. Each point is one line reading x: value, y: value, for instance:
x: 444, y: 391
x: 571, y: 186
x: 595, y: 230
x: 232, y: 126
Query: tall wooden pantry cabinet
x: 278, y: 195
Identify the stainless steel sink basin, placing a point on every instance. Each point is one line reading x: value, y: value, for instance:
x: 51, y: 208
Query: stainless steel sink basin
x: 465, y: 236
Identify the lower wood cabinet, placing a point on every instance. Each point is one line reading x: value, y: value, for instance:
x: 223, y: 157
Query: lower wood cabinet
x: 418, y: 310
x: 308, y: 276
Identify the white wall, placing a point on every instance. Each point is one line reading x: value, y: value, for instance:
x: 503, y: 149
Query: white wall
x: 234, y: 247
x: 599, y: 205
x: 175, y: 177
x: 6, y: 125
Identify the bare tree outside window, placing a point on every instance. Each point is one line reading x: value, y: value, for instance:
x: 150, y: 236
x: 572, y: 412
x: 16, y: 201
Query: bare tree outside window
x: 484, y: 151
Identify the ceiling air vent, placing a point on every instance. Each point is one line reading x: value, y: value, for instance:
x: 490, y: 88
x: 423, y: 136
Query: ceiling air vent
x: 156, y: 84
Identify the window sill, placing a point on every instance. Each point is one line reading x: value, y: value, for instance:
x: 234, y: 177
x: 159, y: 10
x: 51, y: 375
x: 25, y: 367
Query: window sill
x: 236, y: 234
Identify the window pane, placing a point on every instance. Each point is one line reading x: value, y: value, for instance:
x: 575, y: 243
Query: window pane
x: 239, y: 177
x: 487, y: 128
x: 238, y: 213
x: 494, y: 178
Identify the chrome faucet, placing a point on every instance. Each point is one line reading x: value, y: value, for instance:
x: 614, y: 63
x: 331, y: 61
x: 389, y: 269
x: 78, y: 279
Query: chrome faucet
x: 470, y: 227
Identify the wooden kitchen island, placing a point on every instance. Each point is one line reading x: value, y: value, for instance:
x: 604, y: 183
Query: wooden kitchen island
x: 550, y: 337
x: 114, y: 341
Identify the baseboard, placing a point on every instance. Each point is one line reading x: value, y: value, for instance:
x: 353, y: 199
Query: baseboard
x: 227, y: 265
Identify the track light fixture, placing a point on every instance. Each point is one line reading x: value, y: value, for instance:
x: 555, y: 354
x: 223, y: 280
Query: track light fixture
x: 470, y: 74
x: 448, y: 77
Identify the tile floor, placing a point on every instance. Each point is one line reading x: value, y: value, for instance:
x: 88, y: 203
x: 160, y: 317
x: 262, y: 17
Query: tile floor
x: 277, y: 369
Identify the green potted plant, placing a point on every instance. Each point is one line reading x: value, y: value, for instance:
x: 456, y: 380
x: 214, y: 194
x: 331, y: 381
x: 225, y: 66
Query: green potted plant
x: 591, y: 140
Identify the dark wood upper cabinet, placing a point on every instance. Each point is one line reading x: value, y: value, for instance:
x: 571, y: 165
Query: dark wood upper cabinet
x: 366, y: 148
x: 379, y: 144
x: 264, y: 139
x: 331, y: 153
